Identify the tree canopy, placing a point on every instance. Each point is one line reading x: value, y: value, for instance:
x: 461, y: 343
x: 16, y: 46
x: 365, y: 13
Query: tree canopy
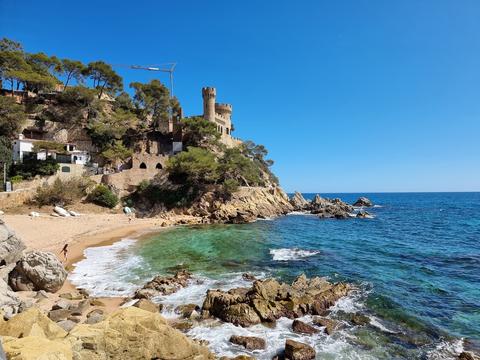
x: 12, y: 117
x: 104, y: 78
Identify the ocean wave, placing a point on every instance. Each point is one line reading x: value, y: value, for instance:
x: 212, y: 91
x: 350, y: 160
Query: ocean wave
x: 107, y: 270
x: 335, y: 347
x: 307, y: 213
x: 286, y: 254
x: 446, y: 350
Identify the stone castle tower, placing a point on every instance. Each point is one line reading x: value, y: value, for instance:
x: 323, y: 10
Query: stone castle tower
x: 220, y: 114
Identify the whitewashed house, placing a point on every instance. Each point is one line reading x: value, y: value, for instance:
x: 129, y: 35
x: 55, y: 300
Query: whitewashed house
x: 25, y: 147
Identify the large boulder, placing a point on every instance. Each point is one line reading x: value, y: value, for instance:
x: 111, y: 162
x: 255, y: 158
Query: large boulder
x: 132, y: 333
x: 268, y: 300
x: 298, y: 202
x: 363, y: 202
x: 31, y: 322
x: 38, y: 270
x: 295, y: 350
x: 36, y: 348
x: 11, y: 250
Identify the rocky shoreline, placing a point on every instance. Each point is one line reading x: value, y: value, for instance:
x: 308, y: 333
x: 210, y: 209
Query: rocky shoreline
x: 76, y: 326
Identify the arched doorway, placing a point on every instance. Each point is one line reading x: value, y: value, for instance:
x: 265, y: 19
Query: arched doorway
x: 158, y: 166
x: 143, y: 165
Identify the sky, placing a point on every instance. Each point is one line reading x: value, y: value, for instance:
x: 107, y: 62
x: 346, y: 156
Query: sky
x: 347, y: 95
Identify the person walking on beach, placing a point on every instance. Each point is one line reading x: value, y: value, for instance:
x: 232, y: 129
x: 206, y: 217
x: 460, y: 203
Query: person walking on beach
x: 64, y: 252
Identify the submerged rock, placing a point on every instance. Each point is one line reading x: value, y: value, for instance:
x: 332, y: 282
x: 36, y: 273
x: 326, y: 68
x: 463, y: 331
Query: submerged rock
x: 329, y: 324
x: 248, y: 342
x: 363, y: 201
x: 295, y: 350
x: 38, y: 270
x: 164, y: 285
x: 268, y: 300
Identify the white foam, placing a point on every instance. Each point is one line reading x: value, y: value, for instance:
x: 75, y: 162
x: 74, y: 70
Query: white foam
x: 218, y: 335
x: 446, y: 350
x: 108, y: 270
x: 303, y: 213
x: 286, y: 254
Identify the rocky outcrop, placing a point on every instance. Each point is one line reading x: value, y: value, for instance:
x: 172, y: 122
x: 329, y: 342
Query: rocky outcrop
x: 248, y: 342
x: 132, y: 333
x: 11, y: 251
x: 295, y: 350
x: 330, y: 208
x: 268, y: 300
x: 38, y: 270
x: 128, y: 333
x: 35, y: 347
x: 164, y: 285
x: 245, y: 205
x: 31, y: 322
x: 363, y: 202
x: 298, y: 202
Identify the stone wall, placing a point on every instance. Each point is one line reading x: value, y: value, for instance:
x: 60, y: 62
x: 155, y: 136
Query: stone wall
x: 149, y: 161
x: 126, y: 181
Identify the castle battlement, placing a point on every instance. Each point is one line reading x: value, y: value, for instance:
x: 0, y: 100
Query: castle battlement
x: 223, y: 109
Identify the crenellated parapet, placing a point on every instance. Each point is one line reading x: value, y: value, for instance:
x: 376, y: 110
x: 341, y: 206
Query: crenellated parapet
x: 223, y: 108
x: 209, y: 92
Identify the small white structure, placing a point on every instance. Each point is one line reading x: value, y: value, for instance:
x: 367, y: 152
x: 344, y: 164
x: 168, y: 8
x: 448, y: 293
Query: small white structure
x: 24, y: 147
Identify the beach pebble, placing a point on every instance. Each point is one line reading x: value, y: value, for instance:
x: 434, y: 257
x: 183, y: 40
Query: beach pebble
x: 34, y: 214
x: 67, y: 325
x: 61, y: 304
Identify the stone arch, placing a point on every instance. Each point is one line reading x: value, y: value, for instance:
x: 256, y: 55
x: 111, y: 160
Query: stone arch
x: 158, y: 166
x: 143, y: 165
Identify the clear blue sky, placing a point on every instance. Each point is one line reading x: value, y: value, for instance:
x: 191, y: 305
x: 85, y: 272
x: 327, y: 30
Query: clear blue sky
x: 359, y: 95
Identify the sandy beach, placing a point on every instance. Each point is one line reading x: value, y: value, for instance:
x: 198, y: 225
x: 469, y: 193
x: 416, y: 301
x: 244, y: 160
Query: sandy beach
x: 51, y: 233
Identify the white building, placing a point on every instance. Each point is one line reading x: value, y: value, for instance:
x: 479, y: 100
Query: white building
x: 25, y: 147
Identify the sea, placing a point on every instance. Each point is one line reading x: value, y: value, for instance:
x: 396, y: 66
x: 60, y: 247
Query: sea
x: 415, y: 266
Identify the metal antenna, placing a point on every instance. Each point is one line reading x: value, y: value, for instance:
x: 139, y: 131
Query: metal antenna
x: 166, y: 67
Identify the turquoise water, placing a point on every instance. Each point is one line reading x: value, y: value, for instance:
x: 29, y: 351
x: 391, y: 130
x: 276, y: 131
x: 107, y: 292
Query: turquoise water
x: 416, y: 264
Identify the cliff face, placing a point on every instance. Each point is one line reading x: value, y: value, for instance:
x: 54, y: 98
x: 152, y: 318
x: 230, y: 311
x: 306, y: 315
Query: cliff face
x: 245, y: 205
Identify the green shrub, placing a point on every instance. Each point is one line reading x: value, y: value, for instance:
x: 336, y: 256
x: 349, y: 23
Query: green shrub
x: 16, y: 179
x: 230, y: 186
x: 62, y: 192
x: 32, y: 167
x: 103, y: 196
